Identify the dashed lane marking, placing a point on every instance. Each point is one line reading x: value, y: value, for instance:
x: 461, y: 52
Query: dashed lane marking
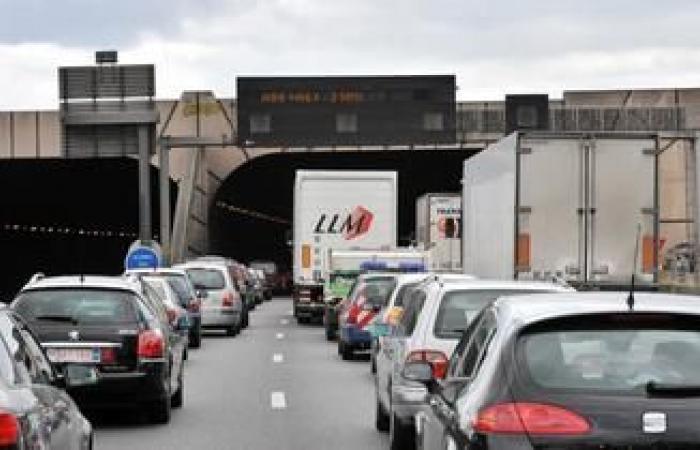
x: 278, y: 400
x: 277, y: 358
x: 279, y: 336
x: 284, y: 321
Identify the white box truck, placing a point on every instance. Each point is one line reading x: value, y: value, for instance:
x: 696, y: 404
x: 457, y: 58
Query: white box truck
x: 540, y: 205
x: 438, y: 229
x: 337, y: 210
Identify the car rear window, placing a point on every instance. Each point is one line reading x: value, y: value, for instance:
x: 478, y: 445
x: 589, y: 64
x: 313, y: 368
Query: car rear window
x: 181, y: 288
x: 403, y: 293
x: 615, y: 360
x: 375, y: 291
x: 82, y: 306
x: 459, y: 307
x: 211, y: 279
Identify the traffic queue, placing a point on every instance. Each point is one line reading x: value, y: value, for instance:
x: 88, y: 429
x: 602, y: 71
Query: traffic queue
x: 467, y: 363
x: 85, y: 342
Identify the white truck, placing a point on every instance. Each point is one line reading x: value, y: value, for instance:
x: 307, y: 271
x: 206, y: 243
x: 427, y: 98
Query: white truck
x: 337, y: 210
x: 573, y: 206
x: 438, y: 230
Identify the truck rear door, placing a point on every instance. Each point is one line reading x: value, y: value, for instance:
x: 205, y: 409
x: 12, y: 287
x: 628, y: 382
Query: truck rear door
x: 622, y: 198
x: 550, y: 230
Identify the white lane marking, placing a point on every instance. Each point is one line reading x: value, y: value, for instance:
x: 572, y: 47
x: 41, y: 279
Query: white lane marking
x: 278, y: 358
x: 279, y: 336
x: 284, y: 321
x: 278, y: 400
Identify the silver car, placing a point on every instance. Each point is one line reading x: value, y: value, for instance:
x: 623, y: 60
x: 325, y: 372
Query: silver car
x: 434, y: 318
x: 222, y: 306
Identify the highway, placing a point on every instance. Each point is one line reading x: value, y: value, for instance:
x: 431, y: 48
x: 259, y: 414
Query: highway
x: 276, y: 385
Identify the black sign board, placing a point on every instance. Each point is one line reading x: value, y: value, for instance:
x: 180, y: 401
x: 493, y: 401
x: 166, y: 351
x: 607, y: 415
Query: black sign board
x: 527, y: 112
x: 346, y: 111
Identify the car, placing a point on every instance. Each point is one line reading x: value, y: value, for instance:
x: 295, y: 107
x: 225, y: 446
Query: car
x: 222, y: 304
x: 238, y: 274
x: 188, y: 298
x: 32, y: 395
x: 369, y: 295
x: 437, y: 313
x: 572, y: 370
x: 337, y: 289
x: 176, y: 314
x: 388, y: 317
x: 117, y: 327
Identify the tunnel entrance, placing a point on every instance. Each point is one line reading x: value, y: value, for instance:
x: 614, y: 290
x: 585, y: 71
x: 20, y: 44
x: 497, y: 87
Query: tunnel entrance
x: 62, y: 216
x: 251, y: 216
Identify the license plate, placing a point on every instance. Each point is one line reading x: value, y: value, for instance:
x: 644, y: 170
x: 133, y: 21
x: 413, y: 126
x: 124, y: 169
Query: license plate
x: 73, y: 355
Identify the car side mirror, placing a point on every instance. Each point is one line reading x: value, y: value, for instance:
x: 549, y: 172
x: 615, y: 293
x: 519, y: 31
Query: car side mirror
x: 419, y: 371
x: 75, y: 375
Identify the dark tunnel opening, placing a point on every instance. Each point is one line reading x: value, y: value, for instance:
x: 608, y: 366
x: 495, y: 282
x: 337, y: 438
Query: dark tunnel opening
x: 63, y: 216
x: 251, y: 215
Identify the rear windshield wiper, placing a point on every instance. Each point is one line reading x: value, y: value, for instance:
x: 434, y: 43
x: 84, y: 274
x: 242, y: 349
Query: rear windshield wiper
x: 691, y: 390
x: 57, y: 318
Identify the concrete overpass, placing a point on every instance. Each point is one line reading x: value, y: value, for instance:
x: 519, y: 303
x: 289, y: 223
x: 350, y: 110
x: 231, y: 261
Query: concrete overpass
x: 200, y: 172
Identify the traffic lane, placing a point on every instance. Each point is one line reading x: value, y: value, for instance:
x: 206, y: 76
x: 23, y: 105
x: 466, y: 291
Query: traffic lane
x: 229, y: 394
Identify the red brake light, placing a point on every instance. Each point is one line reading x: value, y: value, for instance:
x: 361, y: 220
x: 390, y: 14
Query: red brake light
x: 437, y: 359
x: 530, y: 418
x: 150, y: 344
x: 108, y: 356
x: 9, y: 429
x: 227, y: 299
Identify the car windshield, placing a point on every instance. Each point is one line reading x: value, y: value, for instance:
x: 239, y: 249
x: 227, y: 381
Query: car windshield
x: 181, y: 288
x: 375, y: 291
x: 613, y: 361
x: 210, y: 279
x: 78, y: 306
x: 403, y: 293
x: 459, y: 307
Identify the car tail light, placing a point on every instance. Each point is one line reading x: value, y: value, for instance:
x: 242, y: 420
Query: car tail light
x: 227, y: 300
x: 194, y: 305
x: 9, y: 429
x: 436, y: 358
x: 108, y: 356
x: 150, y: 344
x: 530, y: 418
x: 172, y: 315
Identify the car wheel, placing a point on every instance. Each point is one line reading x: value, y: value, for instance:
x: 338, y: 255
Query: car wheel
x: 178, y: 398
x: 330, y: 334
x: 381, y: 418
x: 401, y: 437
x: 340, y: 347
x: 196, y: 340
x: 244, y: 319
x: 185, y: 355
x: 160, y: 411
x: 373, y: 364
x: 232, y: 330
x: 347, y: 353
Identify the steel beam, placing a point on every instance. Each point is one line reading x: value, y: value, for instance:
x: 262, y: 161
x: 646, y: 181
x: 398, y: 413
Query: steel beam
x: 144, y: 140
x: 164, y: 172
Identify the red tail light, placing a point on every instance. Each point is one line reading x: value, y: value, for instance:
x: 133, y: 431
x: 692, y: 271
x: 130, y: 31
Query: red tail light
x: 9, y: 429
x: 437, y: 359
x: 108, y: 356
x: 194, y: 305
x: 150, y: 345
x: 530, y: 418
x: 227, y: 300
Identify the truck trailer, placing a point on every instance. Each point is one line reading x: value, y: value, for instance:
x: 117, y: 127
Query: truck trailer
x: 337, y: 210
x: 439, y: 230
x: 579, y: 207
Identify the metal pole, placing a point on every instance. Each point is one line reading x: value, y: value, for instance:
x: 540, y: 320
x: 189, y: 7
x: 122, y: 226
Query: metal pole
x: 144, y: 184
x: 165, y: 202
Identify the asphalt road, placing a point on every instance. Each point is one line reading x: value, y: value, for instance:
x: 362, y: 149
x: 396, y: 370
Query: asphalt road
x: 278, y: 385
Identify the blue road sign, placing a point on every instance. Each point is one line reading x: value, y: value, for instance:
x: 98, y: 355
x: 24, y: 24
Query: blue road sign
x: 142, y: 257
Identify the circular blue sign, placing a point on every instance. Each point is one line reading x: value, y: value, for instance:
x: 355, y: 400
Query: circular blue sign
x: 142, y: 258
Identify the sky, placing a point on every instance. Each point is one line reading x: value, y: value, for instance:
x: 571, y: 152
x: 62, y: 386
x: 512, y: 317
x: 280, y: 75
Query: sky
x: 494, y: 47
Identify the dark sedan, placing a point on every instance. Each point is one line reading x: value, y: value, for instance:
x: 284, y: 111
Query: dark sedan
x: 570, y: 371
x: 118, y: 327
x: 34, y: 412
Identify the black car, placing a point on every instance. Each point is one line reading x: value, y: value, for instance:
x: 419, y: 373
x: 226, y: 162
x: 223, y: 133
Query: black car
x: 117, y: 326
x: 570, y: 371
x: 35, y: 413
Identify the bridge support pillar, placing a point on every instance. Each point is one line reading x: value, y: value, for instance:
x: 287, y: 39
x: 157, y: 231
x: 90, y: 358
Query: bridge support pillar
x: 164, y: 163
x: 144, y: 146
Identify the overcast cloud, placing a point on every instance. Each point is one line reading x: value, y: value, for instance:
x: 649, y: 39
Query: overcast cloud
x: 493, y: 47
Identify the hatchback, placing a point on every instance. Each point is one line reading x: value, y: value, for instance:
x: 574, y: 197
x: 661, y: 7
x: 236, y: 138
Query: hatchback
x: 577, y: 371
x: 437, y: 313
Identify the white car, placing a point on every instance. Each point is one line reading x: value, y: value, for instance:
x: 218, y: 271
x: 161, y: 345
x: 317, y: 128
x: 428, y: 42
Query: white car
x: 434, y: 318
x: 222, y: 305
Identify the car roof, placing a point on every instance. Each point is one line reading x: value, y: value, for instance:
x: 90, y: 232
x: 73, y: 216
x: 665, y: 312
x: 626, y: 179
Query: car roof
x: 540, y: 307
x: 201, y: 264
x: 83, y: 281
x: 477, y: 284
x: 158, y: 271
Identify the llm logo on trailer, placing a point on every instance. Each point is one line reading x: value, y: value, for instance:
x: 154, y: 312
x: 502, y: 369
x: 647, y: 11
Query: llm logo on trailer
x: 352, y: 226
